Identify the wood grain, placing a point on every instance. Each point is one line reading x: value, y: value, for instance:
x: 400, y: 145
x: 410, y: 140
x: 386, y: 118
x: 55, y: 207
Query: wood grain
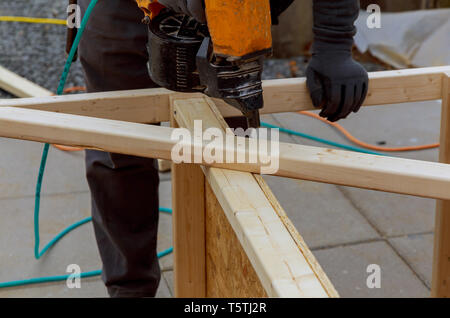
x: 441, y: 261
x: 277, y: 261
x: 389, y: 174
x: 188, y: 228
x: 282, y: 95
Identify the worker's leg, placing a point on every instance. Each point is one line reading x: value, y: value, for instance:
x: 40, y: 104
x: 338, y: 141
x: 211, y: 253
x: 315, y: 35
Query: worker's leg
x: 124, y: 188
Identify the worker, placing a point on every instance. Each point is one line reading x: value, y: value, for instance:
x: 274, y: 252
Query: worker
x: 124, y: 189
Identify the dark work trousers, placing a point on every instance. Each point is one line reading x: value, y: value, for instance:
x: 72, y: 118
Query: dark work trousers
x: 124, y: 189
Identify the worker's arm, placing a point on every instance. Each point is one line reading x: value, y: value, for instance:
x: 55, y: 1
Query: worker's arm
x: 336, y: 82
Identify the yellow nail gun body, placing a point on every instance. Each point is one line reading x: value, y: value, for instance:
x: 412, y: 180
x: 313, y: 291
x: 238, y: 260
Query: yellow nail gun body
x: 222, y: 59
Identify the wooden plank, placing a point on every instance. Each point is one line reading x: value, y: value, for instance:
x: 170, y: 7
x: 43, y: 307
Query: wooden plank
x: 142, y: 106
x: 280, y: 266
x: 19, y: 86
x: 283, y: 95
x: 389, y: 174
x: 188, y: 224
x: 301, y: 244
x: 229, y: 273
x: 223, y: 249
x: 188, y: 228
x: 441, y: 261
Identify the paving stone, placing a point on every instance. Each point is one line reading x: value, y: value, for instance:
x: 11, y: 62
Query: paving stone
x: 165, y: 176
x: 394, y: 125
x: 394, y: 214
x: 417, y: 250
x: 163, y: 290
x: 408, y: 124
x: 165, y: 232
x: 165, y: 194
x: 91, y: 287
x: 322, y: 215
x: 347, y: 268
x: 19, y: 167
x: 168, y: 276
x: 78, y: 247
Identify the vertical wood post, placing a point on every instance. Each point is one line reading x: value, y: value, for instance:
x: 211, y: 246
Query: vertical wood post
x: 188, y: 225
x: 441, y: 261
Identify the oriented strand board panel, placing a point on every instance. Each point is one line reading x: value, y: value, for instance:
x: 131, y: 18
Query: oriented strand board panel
x: 279, y: 264
x: 229, y: 272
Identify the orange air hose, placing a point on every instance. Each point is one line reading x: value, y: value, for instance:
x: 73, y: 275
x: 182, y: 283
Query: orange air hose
x: 366, y: 145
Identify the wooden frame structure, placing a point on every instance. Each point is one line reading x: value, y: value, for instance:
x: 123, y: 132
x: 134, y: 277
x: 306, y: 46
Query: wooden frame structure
x: 231, y: 236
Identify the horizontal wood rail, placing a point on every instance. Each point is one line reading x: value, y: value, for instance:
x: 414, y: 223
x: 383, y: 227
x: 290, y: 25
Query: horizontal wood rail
x: 406, y: 176
x: 284, y: 95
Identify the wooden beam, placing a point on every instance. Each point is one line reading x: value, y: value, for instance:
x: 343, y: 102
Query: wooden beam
x: 188, y: 228
x: 280, y: 266
x: 19, y: 86
x: 283, y: 95
x: 389, y: 174
x: 441, y: 261
x: 301, y: 244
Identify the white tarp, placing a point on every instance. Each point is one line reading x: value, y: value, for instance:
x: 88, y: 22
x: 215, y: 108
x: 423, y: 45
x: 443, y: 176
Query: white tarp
x: 415, y: 38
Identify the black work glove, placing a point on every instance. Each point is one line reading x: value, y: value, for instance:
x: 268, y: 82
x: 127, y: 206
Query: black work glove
x: 193, y: 8
x: 335, y: 81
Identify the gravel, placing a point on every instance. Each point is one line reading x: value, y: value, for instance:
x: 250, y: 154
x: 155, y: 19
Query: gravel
x: 36, y: 51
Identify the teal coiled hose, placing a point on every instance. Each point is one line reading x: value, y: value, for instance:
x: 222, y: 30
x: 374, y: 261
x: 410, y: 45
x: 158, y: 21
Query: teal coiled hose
x: 38, y: 254
x: 60, y: 90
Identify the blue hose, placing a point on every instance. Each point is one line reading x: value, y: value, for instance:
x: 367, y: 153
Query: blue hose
x: 38, y: 254
x: 60, y: 90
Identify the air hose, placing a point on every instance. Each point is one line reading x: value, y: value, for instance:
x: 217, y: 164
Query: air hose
x: 38, y: 254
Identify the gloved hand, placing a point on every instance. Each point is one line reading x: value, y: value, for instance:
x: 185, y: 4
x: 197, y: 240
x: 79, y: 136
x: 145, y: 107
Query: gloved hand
x: 194, y: 8
x: 335, y: 81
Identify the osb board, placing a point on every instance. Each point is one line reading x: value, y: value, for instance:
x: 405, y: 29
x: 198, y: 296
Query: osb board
x: 229, y: 272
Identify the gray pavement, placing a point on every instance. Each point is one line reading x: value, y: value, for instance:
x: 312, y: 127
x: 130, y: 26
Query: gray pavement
x: 347, y: 229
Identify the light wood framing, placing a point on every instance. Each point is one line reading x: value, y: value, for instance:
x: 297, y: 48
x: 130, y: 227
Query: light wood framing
x: 283, y: 95
x: 441, y: 261
x: 270, y: 251
x: 188, y: 229
x: 234, y: 208
x: 389, y: 174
